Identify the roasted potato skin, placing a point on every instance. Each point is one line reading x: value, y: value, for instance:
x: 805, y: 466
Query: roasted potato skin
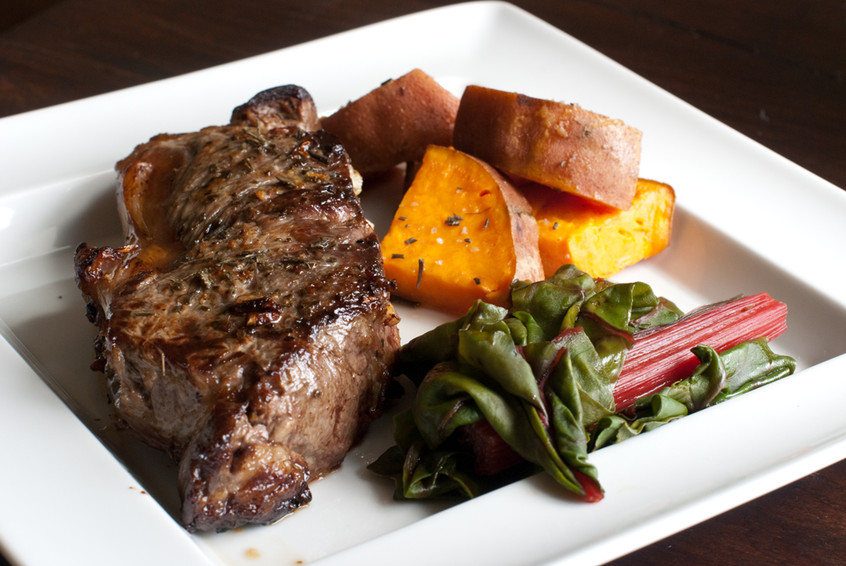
x: 395, y: 122
x: 563, y: 146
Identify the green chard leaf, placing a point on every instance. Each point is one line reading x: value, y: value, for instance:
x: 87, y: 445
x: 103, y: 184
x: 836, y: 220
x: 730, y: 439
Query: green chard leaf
x: 421, y: 473
x: 719, y: 377
x: 442, y: 405
x: 656, y: 410
x: 549, y: 300
x: 542, y: 376
x: 441, y: 343
x: 716, y: 379
x: 524, y: 328
x: 492, y: 352
x: 751, y: 365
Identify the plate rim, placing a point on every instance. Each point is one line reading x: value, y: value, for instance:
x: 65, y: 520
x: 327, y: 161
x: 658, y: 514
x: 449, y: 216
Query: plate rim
x: 68, y: 424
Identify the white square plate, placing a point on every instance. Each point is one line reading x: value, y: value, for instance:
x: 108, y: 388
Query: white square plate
x: 75, y: 490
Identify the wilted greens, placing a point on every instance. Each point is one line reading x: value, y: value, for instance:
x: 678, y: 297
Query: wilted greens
x: 540, y: 377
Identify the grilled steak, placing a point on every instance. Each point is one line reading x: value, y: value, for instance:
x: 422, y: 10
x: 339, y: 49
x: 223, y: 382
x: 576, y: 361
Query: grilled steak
x: 245, y: 326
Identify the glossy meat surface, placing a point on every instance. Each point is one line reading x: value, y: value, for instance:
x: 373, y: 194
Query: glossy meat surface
x: 245, y: 327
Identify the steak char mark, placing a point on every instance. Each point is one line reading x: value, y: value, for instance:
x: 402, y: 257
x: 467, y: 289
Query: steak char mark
x: 245, y: 325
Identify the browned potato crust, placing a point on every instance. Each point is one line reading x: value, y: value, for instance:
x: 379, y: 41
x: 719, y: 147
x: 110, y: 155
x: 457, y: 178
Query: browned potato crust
x: 559, y: 145
x: 395, y: 122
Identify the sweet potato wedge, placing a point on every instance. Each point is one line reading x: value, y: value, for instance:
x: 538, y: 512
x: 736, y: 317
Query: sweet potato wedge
x: 598, y: 239
x: 395, y: 122
x: 462, y: 232
x: 559, y: 145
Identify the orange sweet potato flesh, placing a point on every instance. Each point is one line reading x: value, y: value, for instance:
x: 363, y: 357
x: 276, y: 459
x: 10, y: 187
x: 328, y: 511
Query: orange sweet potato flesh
x: 552, y: 143
x: 462, y: 232
x: 395, y: 122
x: 601, y: 240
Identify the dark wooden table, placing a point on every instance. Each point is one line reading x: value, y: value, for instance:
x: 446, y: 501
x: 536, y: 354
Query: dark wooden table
x: 774, y: 70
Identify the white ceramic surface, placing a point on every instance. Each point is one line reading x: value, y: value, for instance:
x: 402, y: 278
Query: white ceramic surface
x: 72, y: 490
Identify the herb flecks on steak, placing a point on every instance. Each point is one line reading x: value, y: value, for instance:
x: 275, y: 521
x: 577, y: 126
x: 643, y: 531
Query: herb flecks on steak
x: 245, y: 326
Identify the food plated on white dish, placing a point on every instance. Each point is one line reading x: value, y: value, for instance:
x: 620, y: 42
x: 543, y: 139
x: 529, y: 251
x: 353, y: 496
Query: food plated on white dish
x: 90, y: 489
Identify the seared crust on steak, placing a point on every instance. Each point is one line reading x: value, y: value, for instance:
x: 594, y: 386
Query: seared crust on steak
x: 271, y: 108
x: 245, y: 326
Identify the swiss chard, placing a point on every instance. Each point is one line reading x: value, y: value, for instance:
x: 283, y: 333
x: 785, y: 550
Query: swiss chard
x: 542, y: 379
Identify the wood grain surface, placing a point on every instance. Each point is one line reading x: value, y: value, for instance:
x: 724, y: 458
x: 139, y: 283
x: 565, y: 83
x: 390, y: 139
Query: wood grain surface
x: 774, y: 70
